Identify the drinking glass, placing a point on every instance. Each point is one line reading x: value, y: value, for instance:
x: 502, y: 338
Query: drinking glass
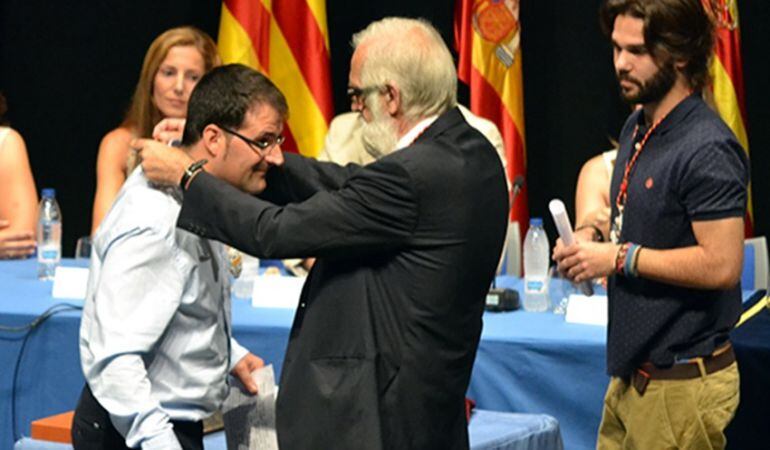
x: 83, y: 248
x: 559, y: 290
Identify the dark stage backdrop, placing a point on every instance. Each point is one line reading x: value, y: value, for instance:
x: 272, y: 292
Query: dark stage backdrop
x: 69, y: 68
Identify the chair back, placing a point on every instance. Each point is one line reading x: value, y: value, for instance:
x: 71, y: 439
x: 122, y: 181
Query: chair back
x: 755, y: 264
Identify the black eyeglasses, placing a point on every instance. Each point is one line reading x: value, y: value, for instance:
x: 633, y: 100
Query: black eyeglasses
x: 356, y: 95
x: 260, y: 146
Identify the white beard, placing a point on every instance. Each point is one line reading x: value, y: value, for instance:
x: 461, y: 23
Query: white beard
x: 380, y: 136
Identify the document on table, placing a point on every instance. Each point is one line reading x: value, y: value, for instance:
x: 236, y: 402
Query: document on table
x: 70, y: 283
x: 588, y: 310
x: 250, y: 419
x: 272, y: 291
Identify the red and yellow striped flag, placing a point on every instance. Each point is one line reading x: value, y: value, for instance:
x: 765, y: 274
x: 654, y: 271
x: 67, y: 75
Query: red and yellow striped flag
x: 288, y: 41
x: 727, y: 74
x: 487, y: 41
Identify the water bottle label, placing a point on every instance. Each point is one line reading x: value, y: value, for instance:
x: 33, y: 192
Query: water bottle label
x: 535, y: 285
x: 48, y: 254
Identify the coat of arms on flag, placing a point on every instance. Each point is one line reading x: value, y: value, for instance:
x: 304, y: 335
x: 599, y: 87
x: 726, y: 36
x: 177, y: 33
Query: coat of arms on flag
x: 487, y: 37
x: 497, y: 21
x: 727, y: 93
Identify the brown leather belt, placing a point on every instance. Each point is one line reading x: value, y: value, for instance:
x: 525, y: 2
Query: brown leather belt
x: 686, y: 370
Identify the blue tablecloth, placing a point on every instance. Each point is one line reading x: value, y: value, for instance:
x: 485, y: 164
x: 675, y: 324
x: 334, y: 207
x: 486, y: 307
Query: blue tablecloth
x: 526, y: 362
x: 538, y: 363
x: 487, y: 430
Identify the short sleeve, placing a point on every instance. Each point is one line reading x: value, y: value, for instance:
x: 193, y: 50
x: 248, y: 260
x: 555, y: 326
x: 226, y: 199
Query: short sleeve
x: 714, y: 185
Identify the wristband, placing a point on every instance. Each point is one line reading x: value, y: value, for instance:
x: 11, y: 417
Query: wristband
x: 635, y: 262
x: 190, y: 172
x: 627, y: 266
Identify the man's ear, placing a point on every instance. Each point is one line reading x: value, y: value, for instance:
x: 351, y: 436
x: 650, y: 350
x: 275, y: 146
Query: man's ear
x: 214, y: 140
x: 392, y: 98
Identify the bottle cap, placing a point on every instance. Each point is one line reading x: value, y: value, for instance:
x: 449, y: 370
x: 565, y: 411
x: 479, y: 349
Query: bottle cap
x: 49, y: 193
x: 536, y: 222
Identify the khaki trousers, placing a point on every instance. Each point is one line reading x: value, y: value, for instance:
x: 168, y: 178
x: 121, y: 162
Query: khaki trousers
x: 672, y: 414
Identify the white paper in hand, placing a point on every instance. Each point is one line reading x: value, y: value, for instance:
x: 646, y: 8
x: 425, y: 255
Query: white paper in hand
x: 250, y: 419
x: 564, y: 227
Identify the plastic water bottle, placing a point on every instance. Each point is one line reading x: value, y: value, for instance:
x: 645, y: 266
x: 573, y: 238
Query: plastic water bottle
x: 536, y: 261
x: 48, y: 235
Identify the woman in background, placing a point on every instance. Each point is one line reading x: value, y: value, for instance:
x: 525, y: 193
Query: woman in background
x: 18, y: 197
x: 592, y: 195
x: 174, y: 63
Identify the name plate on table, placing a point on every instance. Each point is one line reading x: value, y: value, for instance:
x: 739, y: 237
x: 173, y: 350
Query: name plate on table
x: 70, y: 283
x: 273, y: 291
x: 588, y: 310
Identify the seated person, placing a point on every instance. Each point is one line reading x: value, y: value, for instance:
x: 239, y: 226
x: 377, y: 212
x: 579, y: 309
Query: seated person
x: 592, y: 195
x: 18, y: 197
x: 155, y: 341
x: 172, y: 66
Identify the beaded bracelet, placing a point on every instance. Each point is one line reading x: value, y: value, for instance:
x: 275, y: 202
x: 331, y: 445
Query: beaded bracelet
x: 620, y: 258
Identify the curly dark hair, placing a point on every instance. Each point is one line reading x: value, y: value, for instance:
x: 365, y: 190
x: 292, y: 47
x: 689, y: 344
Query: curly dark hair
x: 674, y: 30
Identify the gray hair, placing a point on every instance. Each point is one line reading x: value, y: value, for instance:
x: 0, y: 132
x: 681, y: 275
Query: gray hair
x: 411, y: 54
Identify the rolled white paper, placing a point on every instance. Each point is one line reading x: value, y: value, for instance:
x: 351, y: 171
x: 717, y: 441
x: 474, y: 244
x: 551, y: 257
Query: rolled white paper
x: 563, y: 226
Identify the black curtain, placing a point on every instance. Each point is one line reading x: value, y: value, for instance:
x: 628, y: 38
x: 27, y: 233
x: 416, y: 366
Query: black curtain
x: 69, y: 68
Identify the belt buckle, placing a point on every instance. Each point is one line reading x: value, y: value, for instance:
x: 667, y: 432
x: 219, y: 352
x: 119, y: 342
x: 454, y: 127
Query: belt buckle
x: 640, y: 380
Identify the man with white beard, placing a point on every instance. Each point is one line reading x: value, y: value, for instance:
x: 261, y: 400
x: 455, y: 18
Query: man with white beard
x: 387, y: 326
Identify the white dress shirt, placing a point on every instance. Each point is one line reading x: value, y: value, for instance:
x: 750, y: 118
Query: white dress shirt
x: 155, y: 340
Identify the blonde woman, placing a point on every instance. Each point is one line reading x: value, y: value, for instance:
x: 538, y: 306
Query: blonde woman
x: 174, y: 63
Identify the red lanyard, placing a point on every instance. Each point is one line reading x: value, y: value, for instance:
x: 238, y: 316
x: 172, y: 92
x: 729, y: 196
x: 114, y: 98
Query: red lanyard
x: 639, y: 146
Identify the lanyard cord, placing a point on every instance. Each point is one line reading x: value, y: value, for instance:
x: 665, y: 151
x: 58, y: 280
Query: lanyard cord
x: 639, y: 146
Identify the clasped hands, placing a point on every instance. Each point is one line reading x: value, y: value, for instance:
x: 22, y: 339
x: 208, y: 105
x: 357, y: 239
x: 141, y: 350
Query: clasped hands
x: 14, y: 243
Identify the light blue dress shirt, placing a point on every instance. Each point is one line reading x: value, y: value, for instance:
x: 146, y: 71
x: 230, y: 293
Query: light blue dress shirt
x: 155, y: 340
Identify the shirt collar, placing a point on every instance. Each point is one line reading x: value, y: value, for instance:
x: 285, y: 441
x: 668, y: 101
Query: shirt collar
x: 412, y: 135
x: 676, y: 115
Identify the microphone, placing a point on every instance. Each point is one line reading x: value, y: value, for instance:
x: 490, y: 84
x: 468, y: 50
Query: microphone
x: 518, y: 184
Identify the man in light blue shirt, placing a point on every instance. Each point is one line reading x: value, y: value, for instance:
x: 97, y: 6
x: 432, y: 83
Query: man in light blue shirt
x: 155, y: 339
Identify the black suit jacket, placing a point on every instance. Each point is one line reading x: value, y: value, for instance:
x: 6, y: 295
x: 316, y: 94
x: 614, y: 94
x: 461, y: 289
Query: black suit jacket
x: 385, y: 335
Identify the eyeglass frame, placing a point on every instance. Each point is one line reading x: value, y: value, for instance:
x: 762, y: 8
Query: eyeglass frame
x: 356, y: 94
x: 261, y: 148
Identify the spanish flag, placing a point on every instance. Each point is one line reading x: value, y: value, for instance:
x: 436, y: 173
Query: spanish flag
x: 727, y: 74
x: 288, y: 41
x: 487, y: 42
